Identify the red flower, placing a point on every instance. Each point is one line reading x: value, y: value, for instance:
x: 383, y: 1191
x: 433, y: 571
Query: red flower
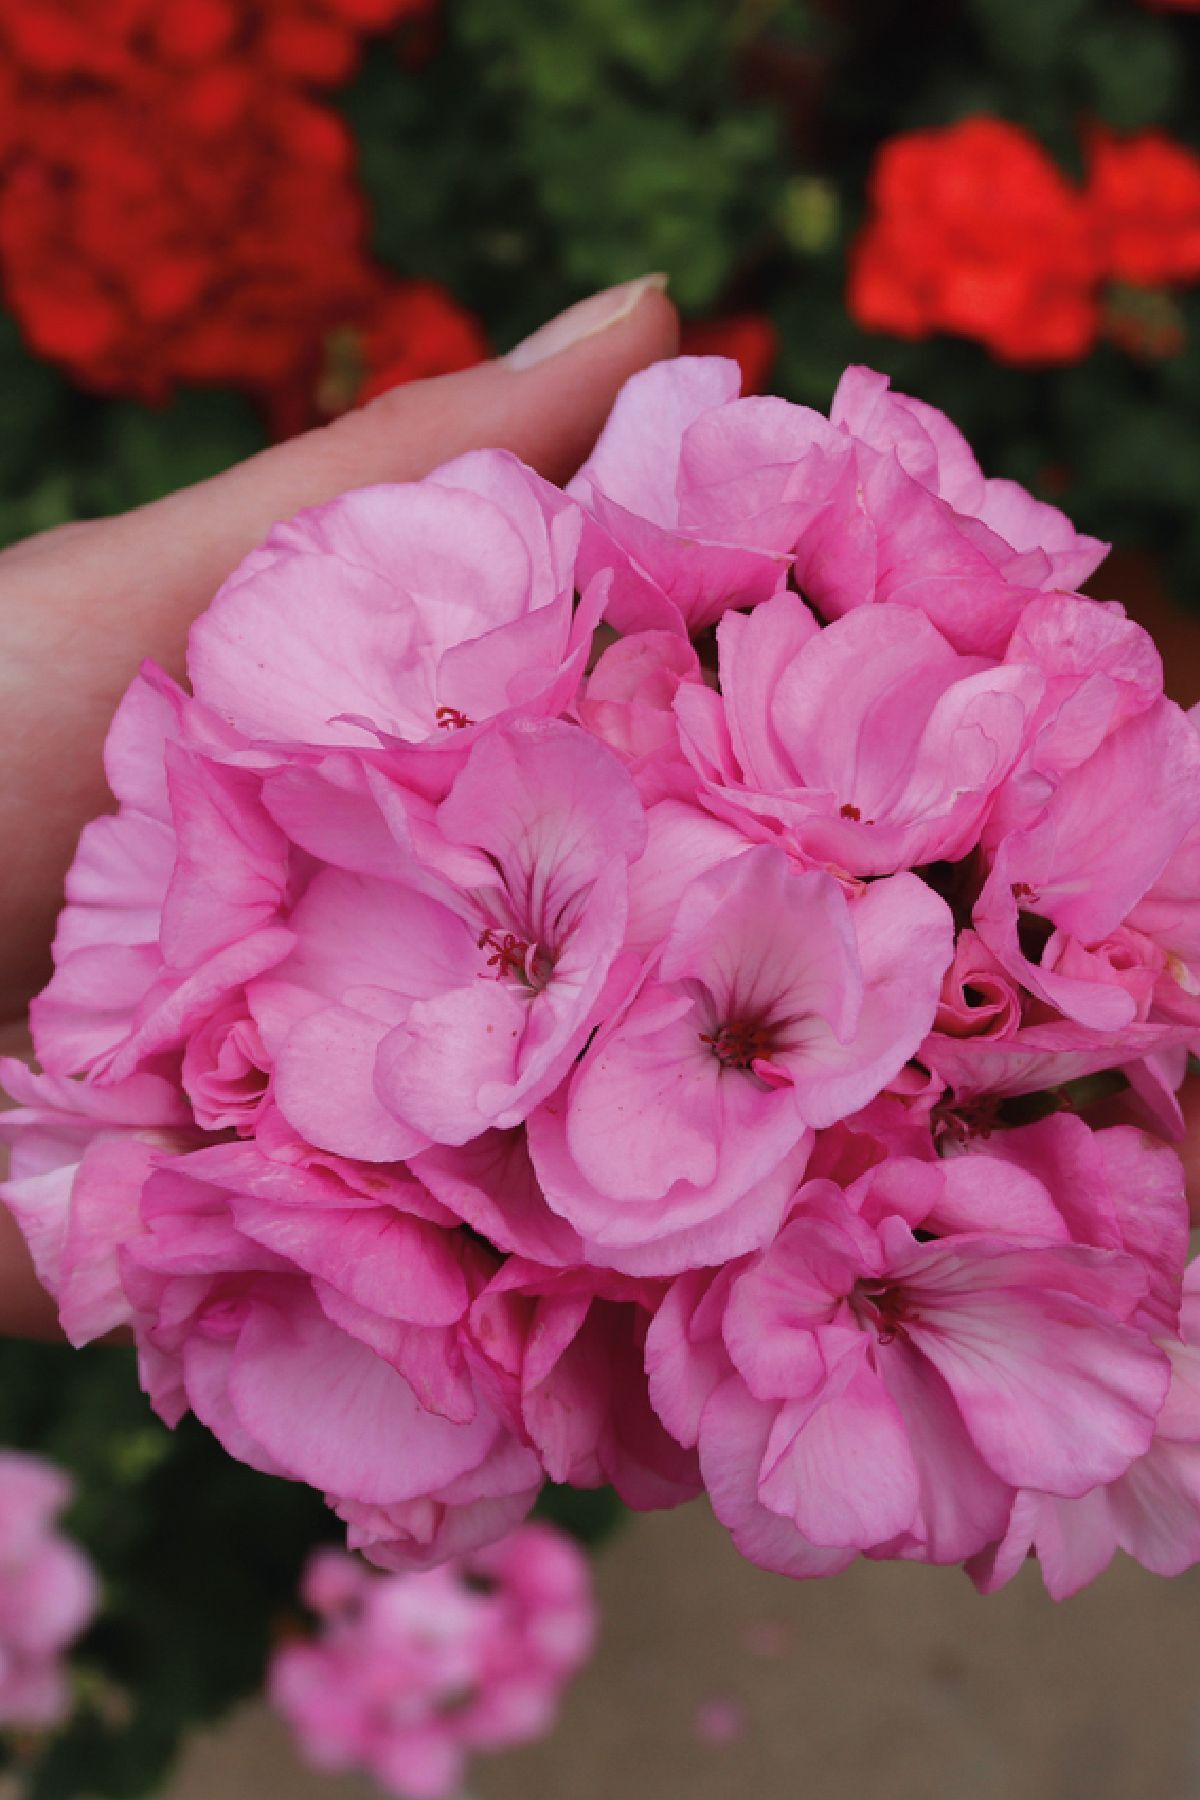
x: 1145, y: 194
x: 207, y: 229
x: 176, y: 206
x: 395, y: 331
x: 318, y: 41
x: 749, y: 338
x: 974, y: 230
x: 412, y: 329
x: 311, y: 41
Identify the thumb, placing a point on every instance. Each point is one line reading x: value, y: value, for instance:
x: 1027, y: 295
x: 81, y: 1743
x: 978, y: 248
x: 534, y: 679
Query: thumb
x: 546, y: 401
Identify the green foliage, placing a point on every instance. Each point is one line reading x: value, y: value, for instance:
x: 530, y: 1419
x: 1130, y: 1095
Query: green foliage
x: 589, y: 1514
x: 565, y: 148
x: 1134, y: 74
x: 1032, y: 37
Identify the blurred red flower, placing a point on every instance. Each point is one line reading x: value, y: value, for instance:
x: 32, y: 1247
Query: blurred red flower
x: 176, y: 205
x: 749, y: 338
x: 973, y: 229
x: 1145, y: 196
x: 412, y: 329
x: 316, y: 42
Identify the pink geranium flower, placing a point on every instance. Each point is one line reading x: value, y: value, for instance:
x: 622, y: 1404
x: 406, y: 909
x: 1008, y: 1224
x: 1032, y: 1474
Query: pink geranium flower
x: 79, y: 1156
x: 853, y: 1388
x: 313, y: 1327
x: 870, y: 746
x: 413, y: 615
x: 457, y: 1008
x: 676, y: 568
x: 776, y: 1006
x: 410, y: 1674
x: 1103, y: 839
x: 1152, y: 1511
x: 560, y: 1354
x: 913, y: 520
x: 883, y: 501
x: 590, y: 985
x: 48, y: 1593
x: 173, y: 905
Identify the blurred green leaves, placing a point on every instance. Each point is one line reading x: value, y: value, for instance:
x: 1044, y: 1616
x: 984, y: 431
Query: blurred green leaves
x: 562, y: 148
x: 65, y: 455
x: 1133, y: 72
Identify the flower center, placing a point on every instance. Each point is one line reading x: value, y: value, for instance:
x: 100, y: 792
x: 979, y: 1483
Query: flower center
x: 958, y: 1123
x: 880, y: 1307
x: 740, y: 1044
x: 513, y: 958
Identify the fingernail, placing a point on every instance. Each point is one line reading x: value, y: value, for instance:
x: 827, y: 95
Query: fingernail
x: 583, y: 320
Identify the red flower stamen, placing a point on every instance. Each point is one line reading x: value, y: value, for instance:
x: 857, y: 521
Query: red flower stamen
x: 510, y: 954
x: 739, y: 1046
x: 450, y: 719
x: 961, y: 1123
x: 882, y: 1309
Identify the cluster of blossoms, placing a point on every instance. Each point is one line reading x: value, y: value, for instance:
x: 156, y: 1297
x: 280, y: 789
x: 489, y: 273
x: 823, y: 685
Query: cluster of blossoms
x: 47, y: 1593
x: 973, y: 229
x: 584, y: 983
x: 411, y: 1674
x: 178, y: 203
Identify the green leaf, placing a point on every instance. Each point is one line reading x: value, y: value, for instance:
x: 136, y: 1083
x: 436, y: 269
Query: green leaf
x: 1030, y: 35
x: 1133, y: 70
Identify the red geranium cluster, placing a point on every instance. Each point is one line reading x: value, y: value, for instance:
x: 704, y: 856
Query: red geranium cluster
x: 178, y: 205
x: 974, y: 229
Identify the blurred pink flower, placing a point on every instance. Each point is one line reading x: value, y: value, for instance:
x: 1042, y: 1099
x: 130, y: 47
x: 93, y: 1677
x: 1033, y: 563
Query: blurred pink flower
x: 411, y: 1674
x: 48, y: 1593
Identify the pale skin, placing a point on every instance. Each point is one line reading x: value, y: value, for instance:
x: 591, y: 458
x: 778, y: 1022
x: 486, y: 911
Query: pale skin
x: 82, y: 606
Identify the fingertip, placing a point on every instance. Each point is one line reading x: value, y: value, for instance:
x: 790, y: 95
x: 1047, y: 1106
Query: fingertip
x: 557, y: 404
x: 598, y: 320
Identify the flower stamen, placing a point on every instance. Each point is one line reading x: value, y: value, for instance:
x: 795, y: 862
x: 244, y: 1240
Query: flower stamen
x: 509, y: 952
x: 882, y: 1308
x: 450, y: 719
x: 740, y: 1045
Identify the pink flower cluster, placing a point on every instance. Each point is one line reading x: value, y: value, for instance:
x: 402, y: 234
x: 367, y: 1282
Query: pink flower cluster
x: 583, y: 986
x: 412, y: 1673
x: 47, y: 1593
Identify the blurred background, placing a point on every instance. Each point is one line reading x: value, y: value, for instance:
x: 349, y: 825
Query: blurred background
x: 222, y: 221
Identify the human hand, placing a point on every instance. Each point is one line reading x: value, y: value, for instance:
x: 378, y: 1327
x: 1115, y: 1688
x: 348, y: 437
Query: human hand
x: 82, y: 606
